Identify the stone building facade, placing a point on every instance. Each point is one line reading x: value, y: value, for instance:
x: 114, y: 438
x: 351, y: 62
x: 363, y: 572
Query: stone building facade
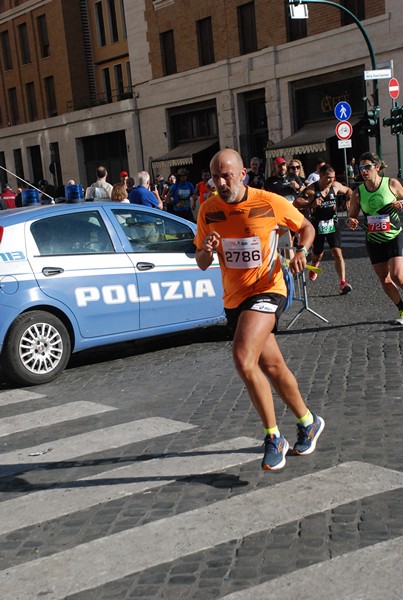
x: 156, y: 84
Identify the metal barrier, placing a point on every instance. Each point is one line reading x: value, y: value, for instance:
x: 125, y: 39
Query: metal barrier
x: 286, y: 251
x: 301, y: 295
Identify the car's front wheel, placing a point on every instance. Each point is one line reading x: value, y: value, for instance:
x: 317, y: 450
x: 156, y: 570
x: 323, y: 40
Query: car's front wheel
x: 37, y: 348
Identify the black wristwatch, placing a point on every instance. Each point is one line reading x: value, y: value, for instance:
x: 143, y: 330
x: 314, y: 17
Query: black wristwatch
x: 301, y: 248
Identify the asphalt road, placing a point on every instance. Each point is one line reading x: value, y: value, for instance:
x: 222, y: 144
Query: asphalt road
x: 137, y: 473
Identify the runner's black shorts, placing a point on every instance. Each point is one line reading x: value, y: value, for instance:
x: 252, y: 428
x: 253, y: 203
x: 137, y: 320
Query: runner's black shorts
x: 333, y: 239
x: 380, y: 253
x: 263, y: 303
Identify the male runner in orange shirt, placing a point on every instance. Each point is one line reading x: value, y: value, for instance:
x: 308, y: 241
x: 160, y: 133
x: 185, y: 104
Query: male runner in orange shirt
x: 241, y: 225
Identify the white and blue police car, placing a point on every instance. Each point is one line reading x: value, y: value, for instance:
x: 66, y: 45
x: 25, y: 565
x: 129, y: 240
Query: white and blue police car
x: 75, y: 276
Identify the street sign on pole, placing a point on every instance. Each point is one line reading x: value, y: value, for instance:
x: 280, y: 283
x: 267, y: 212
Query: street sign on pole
x: 393, y: 88
x: 377, y: 74
x: 345, y: 144
x: 342, y: 111
x: 344, y: 130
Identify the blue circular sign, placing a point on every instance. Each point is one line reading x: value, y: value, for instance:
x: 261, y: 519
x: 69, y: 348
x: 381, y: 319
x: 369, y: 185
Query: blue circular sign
x: 342, y: 111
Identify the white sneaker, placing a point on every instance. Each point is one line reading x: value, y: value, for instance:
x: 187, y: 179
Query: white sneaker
x: 399, y: 320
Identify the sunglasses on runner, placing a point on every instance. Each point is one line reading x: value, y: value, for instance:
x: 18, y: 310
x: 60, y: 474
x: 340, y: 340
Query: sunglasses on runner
x: 365, y: 167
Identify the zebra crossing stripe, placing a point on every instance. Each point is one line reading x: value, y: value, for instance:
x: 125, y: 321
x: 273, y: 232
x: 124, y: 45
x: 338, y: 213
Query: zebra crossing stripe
x: 110, y: 558
x: 374, y: 571
x: 42, y: 506
x: 15, y: 396
x: 90, y: 442
x: 51, y: 416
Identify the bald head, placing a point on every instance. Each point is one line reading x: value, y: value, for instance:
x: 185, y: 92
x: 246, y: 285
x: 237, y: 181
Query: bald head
x: 229, y: 156
x: 228, y: 174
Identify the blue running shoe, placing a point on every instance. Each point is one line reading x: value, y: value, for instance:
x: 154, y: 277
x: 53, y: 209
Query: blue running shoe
x: 308, y: 436
x: 275, y: 450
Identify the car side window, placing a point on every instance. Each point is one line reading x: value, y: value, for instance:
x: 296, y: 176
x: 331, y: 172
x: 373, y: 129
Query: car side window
x: 73, y: 233
x: 148, y: 232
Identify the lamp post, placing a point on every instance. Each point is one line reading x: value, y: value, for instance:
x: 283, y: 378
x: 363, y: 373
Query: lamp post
x: 371, y: 53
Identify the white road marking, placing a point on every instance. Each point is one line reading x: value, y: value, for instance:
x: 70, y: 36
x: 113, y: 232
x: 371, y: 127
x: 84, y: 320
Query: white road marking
x: 124, y: 553
x: 15, y: 396
x: 90, y: 442
x: 42, y: 506
x: 51, y: 416
x: 370, y: 573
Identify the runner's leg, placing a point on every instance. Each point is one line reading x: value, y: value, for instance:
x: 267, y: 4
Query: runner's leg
x: 339, y: 263
x: 256, y: 354
x: 396, y: 270
x: 383, y: 274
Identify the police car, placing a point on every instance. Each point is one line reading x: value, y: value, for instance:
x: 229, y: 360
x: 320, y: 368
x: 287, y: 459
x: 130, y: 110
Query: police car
x: 76, y: 276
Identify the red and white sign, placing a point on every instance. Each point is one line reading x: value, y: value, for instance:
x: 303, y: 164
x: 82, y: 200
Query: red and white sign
x: 344, y: 130
x: 393, y: 88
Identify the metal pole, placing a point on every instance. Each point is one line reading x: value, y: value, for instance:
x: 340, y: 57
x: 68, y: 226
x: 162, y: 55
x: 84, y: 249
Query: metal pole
x: 345, y: 166
x: 399, y: 157
x: 27, y: 182
x: 399, y: 152
x: 371, y: 53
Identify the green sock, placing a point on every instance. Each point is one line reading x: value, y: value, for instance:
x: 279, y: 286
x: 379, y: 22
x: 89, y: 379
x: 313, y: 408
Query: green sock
x: 272, y: 431
x: 306, y: 419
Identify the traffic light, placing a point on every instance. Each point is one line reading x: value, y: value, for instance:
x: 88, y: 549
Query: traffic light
x: 371, y: 121
x: 395, y: 121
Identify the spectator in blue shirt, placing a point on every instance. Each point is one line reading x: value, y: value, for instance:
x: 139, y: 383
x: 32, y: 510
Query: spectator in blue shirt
x: 142, y: 194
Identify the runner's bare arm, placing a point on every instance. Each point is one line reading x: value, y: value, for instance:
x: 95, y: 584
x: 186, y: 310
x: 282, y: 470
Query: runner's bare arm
x: 204, y: 257
x: 354, y: 210
x: 306, y: 236
x: 397, y: 189
x: 306, y: 200
x: 348, y: 192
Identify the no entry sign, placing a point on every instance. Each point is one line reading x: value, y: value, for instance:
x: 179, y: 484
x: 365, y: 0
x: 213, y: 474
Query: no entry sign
x: 393, y: 88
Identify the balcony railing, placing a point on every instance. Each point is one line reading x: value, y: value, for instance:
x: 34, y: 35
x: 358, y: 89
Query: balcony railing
x: 100, y: 99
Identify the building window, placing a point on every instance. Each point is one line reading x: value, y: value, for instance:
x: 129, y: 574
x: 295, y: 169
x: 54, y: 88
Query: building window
x: 129, y: 77
x: 100, y: 24
x: 357, y: 7
x: 196, y: 122
x: 6, y: 50
x: 43, y: 36
x: 50, y: 96
x: 168, y: 52
x: 247, y: 28
x: 3, y: 174
x: 119, y: 83
x: 24, y: 43
x: 18, y: 164
x: 123, y: 19
x: 55, y: 167
x: 14, y: 111
x: 205, y: 43
x: 31, y: 100
x: 113, y: 24
x: 106, y: 82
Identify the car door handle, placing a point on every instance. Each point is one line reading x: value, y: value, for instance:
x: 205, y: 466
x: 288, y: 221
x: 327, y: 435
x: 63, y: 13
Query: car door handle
x: 50, y: 271
x: 145, y: 266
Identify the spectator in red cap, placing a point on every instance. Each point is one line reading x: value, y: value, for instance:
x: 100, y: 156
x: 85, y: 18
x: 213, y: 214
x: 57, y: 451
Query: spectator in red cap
x: 123, y: 177
x: 283, y: 183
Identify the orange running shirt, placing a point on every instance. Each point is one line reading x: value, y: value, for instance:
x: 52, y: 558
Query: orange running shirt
x: 247, y: 251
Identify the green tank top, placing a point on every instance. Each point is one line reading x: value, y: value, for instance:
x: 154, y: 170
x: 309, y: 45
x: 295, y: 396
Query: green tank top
x: 382, y: 221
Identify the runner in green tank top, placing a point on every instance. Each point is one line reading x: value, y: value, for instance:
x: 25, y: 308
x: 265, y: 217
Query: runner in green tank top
x: 381, y: 200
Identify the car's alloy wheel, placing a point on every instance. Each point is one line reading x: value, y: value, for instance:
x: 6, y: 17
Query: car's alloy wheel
x: 37, y: 348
